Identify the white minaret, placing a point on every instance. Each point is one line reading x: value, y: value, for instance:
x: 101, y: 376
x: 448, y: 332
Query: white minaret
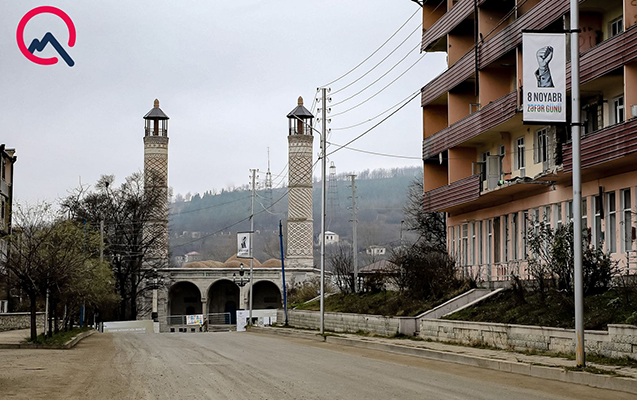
x: 300, y: 229
x: 156, y: 178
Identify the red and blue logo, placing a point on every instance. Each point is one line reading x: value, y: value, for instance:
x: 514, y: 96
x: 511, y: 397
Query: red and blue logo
x: 39, y: 44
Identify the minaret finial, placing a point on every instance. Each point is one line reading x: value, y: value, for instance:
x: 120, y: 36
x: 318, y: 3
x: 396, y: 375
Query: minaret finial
x: 156, y: 103
x: 300, y: 100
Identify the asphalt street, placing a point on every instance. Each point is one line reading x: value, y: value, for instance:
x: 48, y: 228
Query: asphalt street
x: 250, y: 366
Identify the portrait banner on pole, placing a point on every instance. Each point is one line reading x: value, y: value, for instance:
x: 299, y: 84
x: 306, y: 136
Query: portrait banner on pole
x: 544, y: 77
x: 244, y: 248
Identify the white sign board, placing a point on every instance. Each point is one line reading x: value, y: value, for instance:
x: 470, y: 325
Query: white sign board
x: 196, y: 319
x: 244, y: 248
x: 260, y: 317
x: 145, y: 326
x: 544, y: 77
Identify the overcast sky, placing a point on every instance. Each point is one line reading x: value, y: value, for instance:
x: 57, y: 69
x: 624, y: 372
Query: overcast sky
x: 226, y: 73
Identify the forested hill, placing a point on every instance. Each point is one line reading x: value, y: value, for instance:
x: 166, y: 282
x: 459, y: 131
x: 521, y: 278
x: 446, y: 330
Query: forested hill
x: 208, y: 223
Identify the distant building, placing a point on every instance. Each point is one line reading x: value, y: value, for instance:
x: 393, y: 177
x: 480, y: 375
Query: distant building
x: 330, y: 238
x: 375, y: 251
x: 192, y: 257
x: 7, y: 160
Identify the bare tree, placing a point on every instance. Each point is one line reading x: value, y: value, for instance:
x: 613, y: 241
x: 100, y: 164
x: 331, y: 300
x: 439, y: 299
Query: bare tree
x: 130, y: 247
x: 340, y: 261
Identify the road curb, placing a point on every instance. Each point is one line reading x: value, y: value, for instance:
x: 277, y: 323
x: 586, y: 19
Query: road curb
x: 68, y: 345
x: 538, y: 371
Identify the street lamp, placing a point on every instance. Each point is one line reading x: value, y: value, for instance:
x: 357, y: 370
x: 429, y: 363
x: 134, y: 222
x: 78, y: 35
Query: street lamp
x: 240, y: 282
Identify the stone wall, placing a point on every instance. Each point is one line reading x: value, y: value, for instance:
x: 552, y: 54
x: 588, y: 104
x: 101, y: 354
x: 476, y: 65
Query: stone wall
x: 12, y: 321
x: 618, y: 341
x: 344, y: 322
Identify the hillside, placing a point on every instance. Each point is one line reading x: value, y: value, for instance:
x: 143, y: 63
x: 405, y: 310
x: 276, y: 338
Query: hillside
x: 208, y: 223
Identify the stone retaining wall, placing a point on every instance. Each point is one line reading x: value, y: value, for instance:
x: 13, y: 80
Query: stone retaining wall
x: 344, y: 322
x: 618, y: 341
x: 12, y: 321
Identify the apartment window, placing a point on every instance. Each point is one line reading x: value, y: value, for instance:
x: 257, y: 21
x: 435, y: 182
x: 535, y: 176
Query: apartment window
x: 483, y: 171
x: 627, y: 220
x: 618, y: 110
x: 599, y: 236
x: 3, y: 167
x: 2, y: 206
x: 506, y: 238
x: 514, y: 236
x: 465, y: 244
x: 489, y: 240
x: 558, y: 215
x: 525, y: 233
x: 496, y: 240
x: 612, y: 222
x: 616, y: 26
x: 547, y: 215
x: 473, y: 243
x: 584, y: 211
x: 519, y: 154
x: 453, y: 242
x: 569, y: 211
x: 541, y: 146
x: 480, y: 243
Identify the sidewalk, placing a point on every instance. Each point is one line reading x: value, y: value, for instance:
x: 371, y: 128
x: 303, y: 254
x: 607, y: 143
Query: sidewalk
x: 533, y: 365
x: 13, y: 339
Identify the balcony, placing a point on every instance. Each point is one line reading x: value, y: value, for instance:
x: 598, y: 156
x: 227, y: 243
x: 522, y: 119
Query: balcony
x: 490, y: 116
x: 457, y: 193
x: 446, y: 23
x: 606, y: 56
x: 611, y: 144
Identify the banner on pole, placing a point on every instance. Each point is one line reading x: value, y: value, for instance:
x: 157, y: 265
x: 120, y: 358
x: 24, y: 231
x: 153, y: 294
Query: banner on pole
x: 544, y: 77
x: 244, y: 247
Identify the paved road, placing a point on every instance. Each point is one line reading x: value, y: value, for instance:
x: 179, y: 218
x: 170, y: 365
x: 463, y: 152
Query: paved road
x: 251, y: 366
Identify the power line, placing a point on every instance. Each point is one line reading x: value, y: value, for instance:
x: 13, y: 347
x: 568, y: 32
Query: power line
x: 377, y: 153
x: 375, y: 51
x: 376, y: 116
x: 370, y: 129
x: 381, y: 90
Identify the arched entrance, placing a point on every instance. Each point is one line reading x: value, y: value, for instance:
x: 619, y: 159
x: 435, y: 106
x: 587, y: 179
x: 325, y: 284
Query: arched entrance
x: 223, y: 297
x: 266, y: 296
x: 184, y: 299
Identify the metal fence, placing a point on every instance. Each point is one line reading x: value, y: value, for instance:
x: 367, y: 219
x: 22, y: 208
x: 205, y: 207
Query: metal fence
x: 213, y: 319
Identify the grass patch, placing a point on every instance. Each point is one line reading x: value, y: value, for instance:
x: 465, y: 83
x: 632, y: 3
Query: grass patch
x: 380, y: 303
x: 557, y: 310
x: 58, y: 339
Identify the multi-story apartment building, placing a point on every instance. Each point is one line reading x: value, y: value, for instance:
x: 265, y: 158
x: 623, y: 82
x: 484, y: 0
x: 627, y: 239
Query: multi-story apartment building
x: 494, y: 175
x: 7, y: 160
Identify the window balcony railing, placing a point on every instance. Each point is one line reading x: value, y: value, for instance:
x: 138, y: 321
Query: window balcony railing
x: 456, y: 193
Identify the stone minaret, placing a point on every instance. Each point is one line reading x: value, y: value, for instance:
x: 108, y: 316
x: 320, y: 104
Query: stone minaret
x: 156, y: 182
x: 300, y: 224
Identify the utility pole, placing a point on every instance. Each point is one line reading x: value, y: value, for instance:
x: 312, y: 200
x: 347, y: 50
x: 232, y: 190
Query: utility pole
x: 323, y: 189
x: 354, y: 235
x: 285, y: 292
x: 580, y: 356
x: 254, y: 178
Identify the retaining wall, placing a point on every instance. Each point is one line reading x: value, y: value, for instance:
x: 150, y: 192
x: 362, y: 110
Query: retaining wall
x: 344, y: 322
x: 12, y: 321
x: 618, y: 341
